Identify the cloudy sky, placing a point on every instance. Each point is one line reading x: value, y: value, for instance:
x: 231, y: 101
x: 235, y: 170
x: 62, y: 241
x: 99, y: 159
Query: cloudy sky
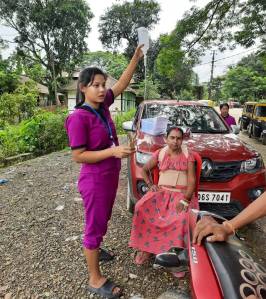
x: 170, y: 13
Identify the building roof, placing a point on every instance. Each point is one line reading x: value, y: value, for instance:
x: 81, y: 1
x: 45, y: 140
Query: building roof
x: 41, y: 88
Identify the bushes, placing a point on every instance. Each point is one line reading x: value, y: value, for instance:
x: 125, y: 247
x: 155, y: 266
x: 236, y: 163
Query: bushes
x: 11, y: 143
x: 41, y: 134
x: 19, y: 105
x: 120, y: 118
x: 45, y: 133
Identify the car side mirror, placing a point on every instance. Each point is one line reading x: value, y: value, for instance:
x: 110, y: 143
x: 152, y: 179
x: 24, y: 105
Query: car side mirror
x: 235, y: 129
x: 128, y: 126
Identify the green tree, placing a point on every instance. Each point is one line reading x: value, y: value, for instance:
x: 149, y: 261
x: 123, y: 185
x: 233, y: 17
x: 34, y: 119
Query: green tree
x: 217, y: 93
x: 19, y: 105
x: 112, y: 64
x: 8, y: 76
x: 212, y: 24
x: 29, y: 68
x: 120, y: 22
x: 173, y: 68
x: 27, y: 94
x: 255, y: 62
x: 186, y: 95
x: 244, y: 84
x: 148, y: 89
x: 2, y: 45
x: 51, y: 33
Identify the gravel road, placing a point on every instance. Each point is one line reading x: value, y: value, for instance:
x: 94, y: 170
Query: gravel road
x: 41, y: 223
x: 41, y: 226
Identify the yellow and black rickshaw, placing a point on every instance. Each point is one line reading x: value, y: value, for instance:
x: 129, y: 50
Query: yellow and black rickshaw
x: 257, y: 124
x: 246, y: 115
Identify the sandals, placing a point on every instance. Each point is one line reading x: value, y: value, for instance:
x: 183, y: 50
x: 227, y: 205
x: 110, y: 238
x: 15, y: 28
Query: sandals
x: 142, y: 257
x: 106, y: 290
x: 105, y: 256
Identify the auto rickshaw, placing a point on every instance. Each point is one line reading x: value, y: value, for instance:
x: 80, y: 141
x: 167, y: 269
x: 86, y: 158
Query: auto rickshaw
x: 257, y: 124
x: 246, y: 115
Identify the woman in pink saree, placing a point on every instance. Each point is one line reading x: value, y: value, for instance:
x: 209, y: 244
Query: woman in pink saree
x: 160, y: 216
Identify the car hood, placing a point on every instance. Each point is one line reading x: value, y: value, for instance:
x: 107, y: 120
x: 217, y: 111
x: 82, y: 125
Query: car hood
x: 217, y: 147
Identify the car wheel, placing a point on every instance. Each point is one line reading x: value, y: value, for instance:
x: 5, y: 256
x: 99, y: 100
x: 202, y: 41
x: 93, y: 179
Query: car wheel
x: 130, y: 204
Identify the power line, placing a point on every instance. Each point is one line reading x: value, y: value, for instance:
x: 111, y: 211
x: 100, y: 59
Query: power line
x: 227, y: 56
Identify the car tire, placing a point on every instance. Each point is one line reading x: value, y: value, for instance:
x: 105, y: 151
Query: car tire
x: 130, y: 203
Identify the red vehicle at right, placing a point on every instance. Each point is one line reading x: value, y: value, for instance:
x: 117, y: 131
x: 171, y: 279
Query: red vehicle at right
x: 220, y: 270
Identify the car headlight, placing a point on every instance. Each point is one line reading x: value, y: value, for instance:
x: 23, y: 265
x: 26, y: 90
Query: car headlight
x: 142, y: 158
x: 252, y: 165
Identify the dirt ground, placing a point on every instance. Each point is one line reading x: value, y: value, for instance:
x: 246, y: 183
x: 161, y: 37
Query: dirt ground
x: 41, y: 220
x: 41, y: 227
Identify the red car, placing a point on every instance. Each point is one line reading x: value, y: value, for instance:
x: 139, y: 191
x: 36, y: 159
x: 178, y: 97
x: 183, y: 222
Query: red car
x: 233, y: 173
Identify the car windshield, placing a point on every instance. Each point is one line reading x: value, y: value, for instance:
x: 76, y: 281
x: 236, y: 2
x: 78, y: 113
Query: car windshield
x: 200, y: 119
x: 261, y: 111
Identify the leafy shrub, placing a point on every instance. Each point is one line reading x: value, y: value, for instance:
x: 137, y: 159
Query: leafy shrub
x: 18, y: 105
x: 43, y: 133
x: 11, y: 143
x: 120, y: 118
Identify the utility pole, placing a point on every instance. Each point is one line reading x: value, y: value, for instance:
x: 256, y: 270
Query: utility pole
x: 211, y: 78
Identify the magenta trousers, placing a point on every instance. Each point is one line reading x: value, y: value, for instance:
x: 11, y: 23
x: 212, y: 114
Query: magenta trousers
x: 98, y: 191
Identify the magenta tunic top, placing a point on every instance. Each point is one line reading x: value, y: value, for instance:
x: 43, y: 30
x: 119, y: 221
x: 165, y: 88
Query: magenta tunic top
x: 86, y: 130
x: 230, y: 120
x: 98, y: 182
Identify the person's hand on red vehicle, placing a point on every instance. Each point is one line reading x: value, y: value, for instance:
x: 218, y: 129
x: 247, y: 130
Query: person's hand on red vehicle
x: 208, y: 227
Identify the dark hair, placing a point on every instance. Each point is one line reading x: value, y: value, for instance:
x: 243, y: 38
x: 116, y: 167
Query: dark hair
x: 224, y: 104
x: 86, y: 77
x: 170, y: 129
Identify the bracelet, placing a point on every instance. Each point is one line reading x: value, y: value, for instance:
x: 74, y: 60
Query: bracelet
x: 184, y: 202
x: 230, y: 225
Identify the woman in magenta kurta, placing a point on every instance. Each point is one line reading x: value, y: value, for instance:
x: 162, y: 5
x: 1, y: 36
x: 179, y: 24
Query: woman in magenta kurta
x: 229, y: 119
x: 159, y: 221
x: 94, y: 143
